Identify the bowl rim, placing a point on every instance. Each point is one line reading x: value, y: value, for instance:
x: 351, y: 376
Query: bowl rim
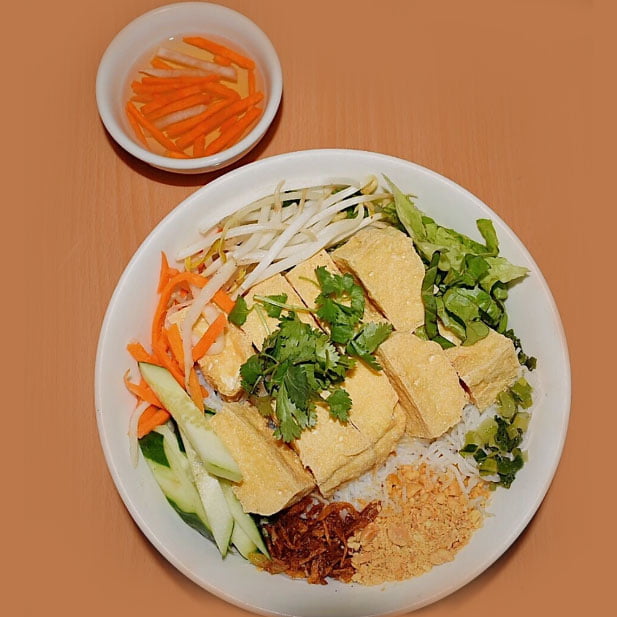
x: 504, y: 542
x: 213, y: 161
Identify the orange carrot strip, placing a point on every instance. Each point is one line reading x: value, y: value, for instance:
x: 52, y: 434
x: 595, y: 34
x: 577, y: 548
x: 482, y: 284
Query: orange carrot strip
x: 150, y: 419
x: 199, y: 146
x: 137, y: 130
x: 222, y: 90
x: 194, y: 389
x: 159, y: 347
x: 251, y: 78
x: 175, y: 343
x: 139, y: 353
x: 142, y: 391
x: 220, y: 50
x: 164, y: 99
x: 223, y: 301
x: 210, y: 335
x: 176, y: 155
x: 143, y: 98
x: 229, y: 122
x: 166, y: 273
x: 179, y: 128
x: 148, y: 80
x: 183, y: 103
x: 232, y: 134
x: 157, y: 63
x: 222, y: 60
x: 146, y: 124
x: 217, y: 119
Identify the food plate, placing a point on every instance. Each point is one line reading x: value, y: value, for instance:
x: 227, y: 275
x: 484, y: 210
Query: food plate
x: 533, y: 315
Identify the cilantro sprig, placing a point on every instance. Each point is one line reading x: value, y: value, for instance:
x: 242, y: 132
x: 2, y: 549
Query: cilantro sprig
x: 296, y: 364
x: 300, y: 366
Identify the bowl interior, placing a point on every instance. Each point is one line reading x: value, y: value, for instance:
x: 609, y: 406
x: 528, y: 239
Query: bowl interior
x: 132, y: 306
x: 133, y: 46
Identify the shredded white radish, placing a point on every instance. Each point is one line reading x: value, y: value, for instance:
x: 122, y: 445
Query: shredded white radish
x: 225, y: 272
x: 179, y: 116
x: 176, y: 56
x: 132, y: 432
x: 175, y: 72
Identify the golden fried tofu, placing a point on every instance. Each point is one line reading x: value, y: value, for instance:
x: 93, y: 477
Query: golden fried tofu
x: 426, y: 382
x: 369, y: 458
x: 304, y: 281
x: 487, y: 367
x: 391, y: 272
x: 273, y: 477
x: 259, y: 324
x: 337, y: 452
x: 222, y: 370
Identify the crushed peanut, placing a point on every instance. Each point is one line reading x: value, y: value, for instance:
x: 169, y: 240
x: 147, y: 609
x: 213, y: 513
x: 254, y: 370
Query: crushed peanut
x: 424, y: 522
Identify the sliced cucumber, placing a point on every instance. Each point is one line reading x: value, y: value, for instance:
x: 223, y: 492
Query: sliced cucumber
x: 242, y: 519
x: 177, y: 488
x: 213, y: 500
x: 192, y: 422
x: 242, y: 542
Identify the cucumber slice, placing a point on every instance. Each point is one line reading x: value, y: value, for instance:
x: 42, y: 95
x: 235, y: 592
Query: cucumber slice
x: 213, y: 500
x: 191, y: 421
x: 179, y: 465
x: 242, y: 519
x: 242, y: 542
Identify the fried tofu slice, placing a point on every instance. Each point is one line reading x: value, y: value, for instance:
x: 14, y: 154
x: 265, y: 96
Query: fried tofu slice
x: 303, y: 280
x: 259, y: 324
x: 391, y: 272
x: 370, y: 458
x: 273, y: 477
x: 222, y: 370
x: 487, y: 367
x: 336, y: 452
x: 426, y: 382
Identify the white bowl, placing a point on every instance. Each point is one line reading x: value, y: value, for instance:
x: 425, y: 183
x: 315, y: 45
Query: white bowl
x: 533, y: 315
x: 136, y: 41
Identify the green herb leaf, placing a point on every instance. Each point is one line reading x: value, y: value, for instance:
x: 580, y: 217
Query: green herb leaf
x: 339, y: 403
x: 239, y: 312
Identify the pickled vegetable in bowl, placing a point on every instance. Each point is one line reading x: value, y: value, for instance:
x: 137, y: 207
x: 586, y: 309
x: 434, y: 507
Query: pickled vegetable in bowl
x: 194, y: 97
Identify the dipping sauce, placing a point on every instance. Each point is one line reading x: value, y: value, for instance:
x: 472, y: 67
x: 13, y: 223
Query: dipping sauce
x: 196, y: 97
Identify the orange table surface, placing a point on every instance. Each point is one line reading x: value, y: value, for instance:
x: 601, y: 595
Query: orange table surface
x: 507, y: 98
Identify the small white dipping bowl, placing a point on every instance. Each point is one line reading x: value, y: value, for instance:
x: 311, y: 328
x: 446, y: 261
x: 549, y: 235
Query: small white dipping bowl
x: 136, y: 42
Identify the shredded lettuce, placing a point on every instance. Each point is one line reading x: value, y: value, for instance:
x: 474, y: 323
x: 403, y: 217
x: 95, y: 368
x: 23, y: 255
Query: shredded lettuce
x: 466, y: 282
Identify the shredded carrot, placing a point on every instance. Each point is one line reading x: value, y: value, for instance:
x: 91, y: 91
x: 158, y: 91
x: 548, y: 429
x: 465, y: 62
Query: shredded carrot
x: 199, y: 146
x: 194, y: 389
x: 160, y: 349
x: 251, y: 79
x: 179, y: 105
x: 210, y: 335
x: 139, y: 353
x: 222, y: 60
x: 175, y: 343
x: 217, y: 119
x: 220, y: 50
x: 137, y: 129
x: 176, y: 155
x: 157, y: 63
x: 163, y: 99
x: 179, y: 82
x: 166, y: 273
x: 179, y: 128
x: 233, y: 132
x: 142, y: 391
x: 150, y: 419
x: 222, y: 90
x: 146, y: 124
x: 229, y: 122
